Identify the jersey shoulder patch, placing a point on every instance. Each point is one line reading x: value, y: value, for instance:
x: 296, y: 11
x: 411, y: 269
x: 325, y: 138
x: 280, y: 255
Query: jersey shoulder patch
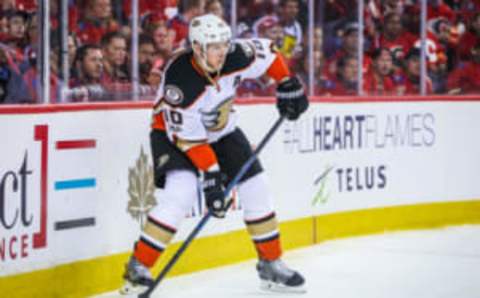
x: 241, y: 55
x: 182, y: 84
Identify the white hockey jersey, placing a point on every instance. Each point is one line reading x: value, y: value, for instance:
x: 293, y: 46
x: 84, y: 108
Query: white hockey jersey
x: 197, y: 110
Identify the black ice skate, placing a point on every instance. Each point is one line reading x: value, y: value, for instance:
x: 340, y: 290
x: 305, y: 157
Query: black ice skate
x: 276, y: 276
x: 137, y: 278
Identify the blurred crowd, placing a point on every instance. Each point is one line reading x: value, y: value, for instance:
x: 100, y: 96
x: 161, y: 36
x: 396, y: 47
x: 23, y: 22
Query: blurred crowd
x: 100, y: 40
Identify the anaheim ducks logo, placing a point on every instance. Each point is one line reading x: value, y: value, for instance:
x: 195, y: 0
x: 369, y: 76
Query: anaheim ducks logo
x: 217, y: 119
x: 173, y: 95
x: 141, y: 189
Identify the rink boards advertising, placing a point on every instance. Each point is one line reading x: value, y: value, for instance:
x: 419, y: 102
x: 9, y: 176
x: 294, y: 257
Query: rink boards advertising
x: 76, y: 183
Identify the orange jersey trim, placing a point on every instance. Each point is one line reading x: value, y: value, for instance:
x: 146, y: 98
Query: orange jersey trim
x: 202, y: 156
x: 278, y: 70
x: 158, y: 122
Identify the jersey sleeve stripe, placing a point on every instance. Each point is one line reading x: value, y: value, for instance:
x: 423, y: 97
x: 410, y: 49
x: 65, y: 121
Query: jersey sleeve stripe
x: 278, y: 70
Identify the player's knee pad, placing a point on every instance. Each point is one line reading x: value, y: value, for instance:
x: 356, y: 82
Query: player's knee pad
x: 255, y: 197
x: 176, y: 198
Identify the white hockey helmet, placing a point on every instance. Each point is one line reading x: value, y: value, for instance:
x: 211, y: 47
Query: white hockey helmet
x: 208, y: 29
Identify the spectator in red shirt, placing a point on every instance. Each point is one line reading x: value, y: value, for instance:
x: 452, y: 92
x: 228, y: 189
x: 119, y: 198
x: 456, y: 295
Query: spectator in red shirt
x: 187, y: 10
x: 12, y: 87
x: 408, y: 82
x: 349, y: 48
x: 97, y: 21
x: 163, y: 38
x: 114, y: 47
x: 438, y: 9
x: 469, y: 39
x: 465, y: 79
x: 146, y: 7
x: 31, y: 77
x: 26, y: 5
x: 395, y: 38
x: 56, y: 17
x: 345, y: 82
x: 17, y: 22
x: 377, y: 80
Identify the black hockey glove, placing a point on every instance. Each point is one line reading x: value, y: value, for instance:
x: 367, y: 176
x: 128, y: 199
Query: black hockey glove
x: 291, y: 99
x: 213, y: 190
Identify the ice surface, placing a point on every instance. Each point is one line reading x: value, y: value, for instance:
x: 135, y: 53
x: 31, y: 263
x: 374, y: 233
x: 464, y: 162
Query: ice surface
x: 441, y: 263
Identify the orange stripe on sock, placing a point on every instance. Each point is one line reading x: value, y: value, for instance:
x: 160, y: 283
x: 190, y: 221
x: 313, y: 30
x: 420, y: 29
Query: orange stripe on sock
x: 269, y: 250
x: 146, y: 254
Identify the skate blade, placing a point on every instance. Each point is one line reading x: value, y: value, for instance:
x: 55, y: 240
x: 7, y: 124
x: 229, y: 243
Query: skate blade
x: 132, y: 289
x: 270, y: 286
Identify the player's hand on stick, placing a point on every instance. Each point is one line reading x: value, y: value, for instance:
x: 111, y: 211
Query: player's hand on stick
x: 213, y: 190
x: 291, y: 98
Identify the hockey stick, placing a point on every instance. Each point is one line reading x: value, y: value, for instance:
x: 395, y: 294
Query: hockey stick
x: 207, y: 216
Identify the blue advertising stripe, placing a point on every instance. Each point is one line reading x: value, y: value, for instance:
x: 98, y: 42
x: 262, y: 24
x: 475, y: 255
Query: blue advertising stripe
x: 76, y: 183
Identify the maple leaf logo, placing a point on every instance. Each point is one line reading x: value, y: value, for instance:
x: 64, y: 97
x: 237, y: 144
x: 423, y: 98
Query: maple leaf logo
x: 141, y: 189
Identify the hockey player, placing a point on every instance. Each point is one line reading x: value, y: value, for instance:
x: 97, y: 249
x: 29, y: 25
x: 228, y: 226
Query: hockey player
x: 195, y: 135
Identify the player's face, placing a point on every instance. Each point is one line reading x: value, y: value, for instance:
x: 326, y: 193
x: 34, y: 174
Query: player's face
x: 216, y: 54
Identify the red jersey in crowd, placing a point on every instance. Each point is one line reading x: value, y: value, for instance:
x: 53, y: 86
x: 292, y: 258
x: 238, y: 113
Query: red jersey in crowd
x: 90, y: 32
x: 148, y: 6
x: 405, y: 85
x: 373, y: 86
x: 468, y: 40
x: 400, y: 46
x: 336, y: 86
x: 465, y: 77
x: 441, y: 10
x: 26, y: 5
x: 436, y: 51
x: 331, y: 63
x: 180, y: 26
